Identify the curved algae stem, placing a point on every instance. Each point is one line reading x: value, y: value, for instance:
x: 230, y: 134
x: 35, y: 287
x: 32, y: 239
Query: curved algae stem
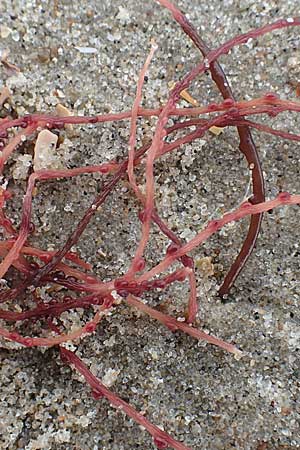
x: 247, y: 147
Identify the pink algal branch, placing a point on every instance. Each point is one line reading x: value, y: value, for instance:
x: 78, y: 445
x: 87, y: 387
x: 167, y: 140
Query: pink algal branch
x: 138, y: 262
x: 88, y: 328
x: 134, y: 116
x: 270, y: 104
x: 45, y: 256
x: 99, y: 390
x: 41, y: 175
x: 14, y: 143
x: 246, y: 209
x: 174, y: 325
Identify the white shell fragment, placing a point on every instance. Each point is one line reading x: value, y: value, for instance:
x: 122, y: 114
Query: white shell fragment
x: 4, y: 95
x: 5, y: 31
x: 123, y: 16
x: 110, y: 377
x: 44, y: 156
x: 87, y: 50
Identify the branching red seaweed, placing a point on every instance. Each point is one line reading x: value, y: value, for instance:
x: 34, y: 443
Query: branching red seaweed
x: 37, y: 267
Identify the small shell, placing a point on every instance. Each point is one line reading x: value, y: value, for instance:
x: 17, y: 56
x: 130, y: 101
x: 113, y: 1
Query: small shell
x: 216, y: 130
x: 62, y: 111
x: 44, y: 156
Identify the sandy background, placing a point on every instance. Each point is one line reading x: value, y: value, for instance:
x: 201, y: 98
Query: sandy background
x: 197, y: 393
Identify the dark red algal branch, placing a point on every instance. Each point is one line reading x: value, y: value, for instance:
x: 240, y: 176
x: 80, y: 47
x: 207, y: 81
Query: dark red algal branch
x: 247, y: 147
x: 52, y: 309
